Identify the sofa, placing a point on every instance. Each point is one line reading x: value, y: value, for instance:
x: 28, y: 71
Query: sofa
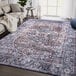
x: 8, y: 11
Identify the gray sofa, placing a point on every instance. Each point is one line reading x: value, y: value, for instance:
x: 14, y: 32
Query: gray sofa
x: 15, y: 11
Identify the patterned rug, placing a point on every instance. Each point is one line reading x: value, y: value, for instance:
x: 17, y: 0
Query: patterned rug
x: 43, y: 46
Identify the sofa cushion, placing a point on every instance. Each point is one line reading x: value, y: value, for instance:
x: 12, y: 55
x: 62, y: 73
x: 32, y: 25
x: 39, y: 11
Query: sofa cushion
x: 15, y: 8
x: 1, y: 12
x: 19, y: 15
x: 6, y: 8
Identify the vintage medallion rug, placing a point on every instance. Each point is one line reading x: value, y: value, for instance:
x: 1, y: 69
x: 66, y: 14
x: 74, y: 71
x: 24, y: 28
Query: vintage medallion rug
x: 43, y: 46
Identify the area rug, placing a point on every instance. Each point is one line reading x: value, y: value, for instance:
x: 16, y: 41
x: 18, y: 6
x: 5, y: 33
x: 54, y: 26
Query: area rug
x: 43, y: 46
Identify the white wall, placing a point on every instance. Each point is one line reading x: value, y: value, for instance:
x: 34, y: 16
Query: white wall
x: 69, y: 8
x: 74, y: 8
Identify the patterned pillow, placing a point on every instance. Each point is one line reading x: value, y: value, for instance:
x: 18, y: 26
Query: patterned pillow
x: 6, y: 8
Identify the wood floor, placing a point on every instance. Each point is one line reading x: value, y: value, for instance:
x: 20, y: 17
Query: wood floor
x: 11, y: 71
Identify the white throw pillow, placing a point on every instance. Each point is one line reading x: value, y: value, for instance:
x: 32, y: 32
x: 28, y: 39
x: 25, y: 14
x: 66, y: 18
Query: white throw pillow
x: 15, y: 8
x: 6, y: 8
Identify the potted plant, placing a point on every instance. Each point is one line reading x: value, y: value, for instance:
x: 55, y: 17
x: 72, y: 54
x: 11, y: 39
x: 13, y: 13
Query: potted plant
x: 22, y: 2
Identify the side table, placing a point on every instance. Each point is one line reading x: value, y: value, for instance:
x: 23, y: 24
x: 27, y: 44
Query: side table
x: 30, y: 13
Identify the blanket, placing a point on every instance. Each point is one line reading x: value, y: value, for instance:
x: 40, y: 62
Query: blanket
x: 43, y: 46
x: 10, y: 23
x: 2, y: 28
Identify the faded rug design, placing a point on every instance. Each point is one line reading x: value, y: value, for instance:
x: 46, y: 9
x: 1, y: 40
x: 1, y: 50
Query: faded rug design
x: 41, y: 45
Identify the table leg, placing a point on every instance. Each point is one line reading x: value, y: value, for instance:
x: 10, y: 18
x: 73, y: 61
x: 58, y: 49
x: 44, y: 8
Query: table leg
x: 27, y: 14
x: 32, y: 15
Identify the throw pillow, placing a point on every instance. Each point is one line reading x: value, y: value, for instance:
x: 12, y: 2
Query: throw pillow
x: 15, y: 8
x: 6, y: 8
